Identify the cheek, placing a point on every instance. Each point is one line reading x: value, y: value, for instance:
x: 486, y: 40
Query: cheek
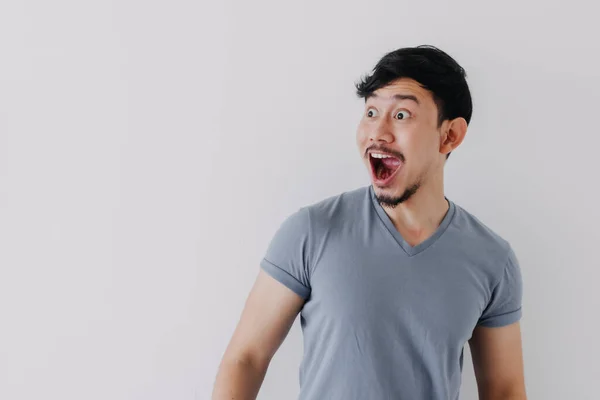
x: 361, y: 136
x: 423, y: 152
x: 418, y: 141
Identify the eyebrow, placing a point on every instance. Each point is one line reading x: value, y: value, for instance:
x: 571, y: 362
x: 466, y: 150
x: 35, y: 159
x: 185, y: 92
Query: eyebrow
x: 397, y: 96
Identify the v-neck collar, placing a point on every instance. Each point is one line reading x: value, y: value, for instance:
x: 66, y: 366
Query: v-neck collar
x: 408, y: 249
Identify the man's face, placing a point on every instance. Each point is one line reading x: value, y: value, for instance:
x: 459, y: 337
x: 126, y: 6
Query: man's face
x: 399, y: 123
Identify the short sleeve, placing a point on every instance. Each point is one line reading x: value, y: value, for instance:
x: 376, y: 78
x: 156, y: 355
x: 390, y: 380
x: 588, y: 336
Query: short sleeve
x: 286, y: 258
x: 504, y: 307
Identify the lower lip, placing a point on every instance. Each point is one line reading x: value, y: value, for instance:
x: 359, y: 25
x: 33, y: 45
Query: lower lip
x: 386, y: 181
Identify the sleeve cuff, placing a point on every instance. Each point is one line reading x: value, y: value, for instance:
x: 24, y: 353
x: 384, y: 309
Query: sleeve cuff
x: 502, y: 319
x: 285, y: 278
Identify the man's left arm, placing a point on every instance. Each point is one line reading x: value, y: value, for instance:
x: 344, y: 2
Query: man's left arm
x: 498, y: 362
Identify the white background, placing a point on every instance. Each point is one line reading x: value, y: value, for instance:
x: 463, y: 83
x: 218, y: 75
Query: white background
x: 149, y: 150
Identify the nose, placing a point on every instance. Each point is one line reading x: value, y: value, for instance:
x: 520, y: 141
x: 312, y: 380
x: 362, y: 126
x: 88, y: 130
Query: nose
x: 381, y: 131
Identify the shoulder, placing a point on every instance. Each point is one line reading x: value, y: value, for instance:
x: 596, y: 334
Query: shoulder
x: 326, y: 213
x: 478, y: 236
x: 486, y: 250
x: 340, y: 207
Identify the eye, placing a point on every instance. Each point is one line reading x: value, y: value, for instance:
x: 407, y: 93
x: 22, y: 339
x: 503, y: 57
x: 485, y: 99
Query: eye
x: 402, y: 115
x: 371, y: 112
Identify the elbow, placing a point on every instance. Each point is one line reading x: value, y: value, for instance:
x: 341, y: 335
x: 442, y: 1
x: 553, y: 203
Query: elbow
x: 246, y: 360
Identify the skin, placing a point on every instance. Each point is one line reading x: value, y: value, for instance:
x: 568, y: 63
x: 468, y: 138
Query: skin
x: 271, y: 307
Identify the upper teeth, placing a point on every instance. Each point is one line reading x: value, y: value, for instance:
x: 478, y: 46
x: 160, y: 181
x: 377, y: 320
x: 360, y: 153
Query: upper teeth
x: 377, y: 155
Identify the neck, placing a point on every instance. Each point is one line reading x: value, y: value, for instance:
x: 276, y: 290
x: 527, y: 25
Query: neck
x: 418, y: 217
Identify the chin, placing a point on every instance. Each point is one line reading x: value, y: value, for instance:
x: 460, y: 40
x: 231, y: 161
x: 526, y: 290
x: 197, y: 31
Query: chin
x: 390, y: 191
x: 394, y: 194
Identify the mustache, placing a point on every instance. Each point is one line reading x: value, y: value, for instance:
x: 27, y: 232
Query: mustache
x: 395, y: 153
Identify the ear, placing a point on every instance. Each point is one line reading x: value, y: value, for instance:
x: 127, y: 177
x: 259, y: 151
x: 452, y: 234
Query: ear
x: 452, y: 135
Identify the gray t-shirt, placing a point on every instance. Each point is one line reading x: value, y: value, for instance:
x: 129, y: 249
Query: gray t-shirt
x: 383, y: 319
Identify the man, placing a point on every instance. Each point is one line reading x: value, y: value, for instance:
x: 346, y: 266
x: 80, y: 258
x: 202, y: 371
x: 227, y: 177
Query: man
x: 392, y: 279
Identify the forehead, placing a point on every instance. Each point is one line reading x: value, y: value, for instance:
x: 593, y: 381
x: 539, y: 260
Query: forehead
x: 403, y: 86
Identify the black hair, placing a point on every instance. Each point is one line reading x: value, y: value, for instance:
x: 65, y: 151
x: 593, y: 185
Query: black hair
x: 433, y: 69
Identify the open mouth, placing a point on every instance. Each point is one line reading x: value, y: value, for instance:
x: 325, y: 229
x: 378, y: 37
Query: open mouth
x: 383, y: 166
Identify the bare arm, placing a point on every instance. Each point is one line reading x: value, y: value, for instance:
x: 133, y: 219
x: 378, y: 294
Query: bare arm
x: 498, y: 362
x: 268, y: 315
